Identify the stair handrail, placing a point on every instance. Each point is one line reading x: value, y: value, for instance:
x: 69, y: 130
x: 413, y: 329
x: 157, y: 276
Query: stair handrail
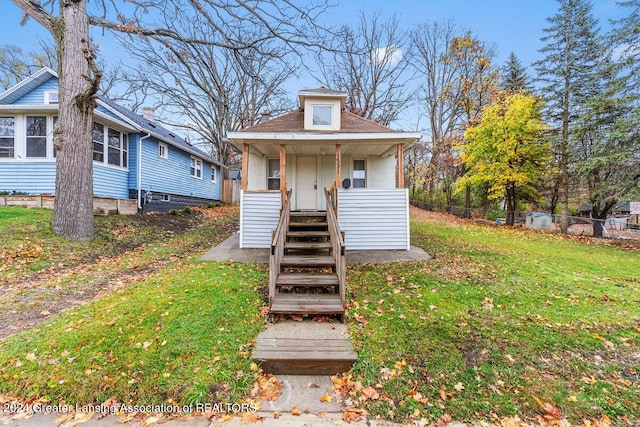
x: 338, y: 247
x: 278, y: 238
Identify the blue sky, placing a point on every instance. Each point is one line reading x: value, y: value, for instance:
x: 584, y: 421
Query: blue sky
x: 507, y: 25
x: 510, y: 25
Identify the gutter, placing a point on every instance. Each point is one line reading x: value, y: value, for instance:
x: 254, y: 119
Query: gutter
x: 140, y: 169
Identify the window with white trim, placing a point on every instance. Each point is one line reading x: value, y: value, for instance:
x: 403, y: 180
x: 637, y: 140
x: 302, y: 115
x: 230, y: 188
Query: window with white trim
x: 273, y: 174
x: 163, y: 150
x: 54, y: 120
x: 7, y: 136
x: 359, y: 173
x: 36, y: 137
x: 322, y: 115
x: 110, y: 146
x: 213, y: 173
x: 166, y: 198
x: 196, y: 168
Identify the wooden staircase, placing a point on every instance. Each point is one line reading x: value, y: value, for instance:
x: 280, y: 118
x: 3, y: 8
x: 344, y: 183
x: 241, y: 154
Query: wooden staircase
x: 306, y: 277
x: 308, y: 282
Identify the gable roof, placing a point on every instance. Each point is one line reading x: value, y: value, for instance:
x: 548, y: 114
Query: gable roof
x: 153, y: 128
x: 294, y: 122
x: 19, y: 90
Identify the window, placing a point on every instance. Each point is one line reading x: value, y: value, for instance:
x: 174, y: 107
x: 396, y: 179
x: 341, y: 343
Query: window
x: 98, y: 142
x: 163, y: 150
x: 114, y: 148
x: 7, y: 136
x: 125, y: 150
x: 51, y: 97
x: 54, y: 121
x: 359, y: 174
x: 115, y: 142
x: 36, y: 136
x: 213, y: 173
x: 166, y: 198
x: 322, y: 115
x: 196, y: 168
x: 273, y: 174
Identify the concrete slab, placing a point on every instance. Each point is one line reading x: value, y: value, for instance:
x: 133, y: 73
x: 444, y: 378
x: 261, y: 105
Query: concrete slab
x: 229, y: 250
x: 305, y: 329
x: 304, y: 392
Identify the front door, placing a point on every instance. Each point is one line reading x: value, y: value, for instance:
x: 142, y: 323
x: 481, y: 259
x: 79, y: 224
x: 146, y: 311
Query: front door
x: 306, y: 184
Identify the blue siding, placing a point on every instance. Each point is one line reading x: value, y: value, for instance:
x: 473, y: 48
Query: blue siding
x: 173, y: 175
x: 133, y: 160
x: 110, y: 182
x: 40, y: 178
x: 36, y: 96
x: 28, y: 177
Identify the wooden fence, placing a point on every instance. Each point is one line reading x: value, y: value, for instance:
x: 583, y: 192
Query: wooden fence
x: 101, y: 205
x: 230, y: 191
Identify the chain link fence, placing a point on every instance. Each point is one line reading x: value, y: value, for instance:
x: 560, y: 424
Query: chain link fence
x: 620, y: 227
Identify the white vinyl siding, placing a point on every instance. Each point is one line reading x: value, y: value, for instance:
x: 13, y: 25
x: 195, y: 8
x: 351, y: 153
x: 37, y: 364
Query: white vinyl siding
x: 259, y: 215
x: 374, y: 219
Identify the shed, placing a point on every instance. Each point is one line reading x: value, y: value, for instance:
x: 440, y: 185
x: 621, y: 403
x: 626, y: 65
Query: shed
x: 539, y: 221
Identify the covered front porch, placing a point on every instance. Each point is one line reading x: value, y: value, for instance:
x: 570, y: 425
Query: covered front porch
x: 364, y: 177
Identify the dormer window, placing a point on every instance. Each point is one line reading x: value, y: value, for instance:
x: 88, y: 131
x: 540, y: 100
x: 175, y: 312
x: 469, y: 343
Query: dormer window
x: 322, y: 115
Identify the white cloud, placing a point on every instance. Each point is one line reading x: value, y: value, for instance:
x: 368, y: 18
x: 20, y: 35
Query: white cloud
x: 391, y: 54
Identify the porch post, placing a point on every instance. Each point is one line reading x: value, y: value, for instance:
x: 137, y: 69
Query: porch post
x: 245, y: 167
x: 283, y: 172
x: 400, y: 166
x: 338, y: 165
x: 338, y: 175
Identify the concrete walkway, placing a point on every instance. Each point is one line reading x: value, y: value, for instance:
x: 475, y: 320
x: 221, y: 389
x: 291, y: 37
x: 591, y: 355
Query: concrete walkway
x: 229, y: 250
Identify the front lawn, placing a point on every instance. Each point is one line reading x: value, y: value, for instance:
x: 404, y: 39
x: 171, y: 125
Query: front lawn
x: 500, y: 322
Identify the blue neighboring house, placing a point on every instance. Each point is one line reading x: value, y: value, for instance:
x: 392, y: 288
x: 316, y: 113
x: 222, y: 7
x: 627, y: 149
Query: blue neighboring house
x: 133, y: 156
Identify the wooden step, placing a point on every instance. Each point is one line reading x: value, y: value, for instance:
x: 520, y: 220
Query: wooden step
x: 318, y: 224
x: 308, y: 234
x: 310, y: 214
x: 294, y: 303
x: 309, y: 261
x: 309, y: 246
x: 307, y: 279
x: 304, y: 356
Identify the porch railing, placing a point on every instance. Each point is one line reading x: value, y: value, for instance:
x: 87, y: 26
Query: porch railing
x: 278, y: 239
x: 338, y: 246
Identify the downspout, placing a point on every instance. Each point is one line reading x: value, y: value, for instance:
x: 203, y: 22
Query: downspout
x: 140, y: 169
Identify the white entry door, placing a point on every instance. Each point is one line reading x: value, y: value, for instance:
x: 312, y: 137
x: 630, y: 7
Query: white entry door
x: 306, y: 184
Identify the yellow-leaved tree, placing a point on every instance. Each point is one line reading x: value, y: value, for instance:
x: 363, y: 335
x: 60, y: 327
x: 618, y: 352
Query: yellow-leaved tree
x: 506, y: 150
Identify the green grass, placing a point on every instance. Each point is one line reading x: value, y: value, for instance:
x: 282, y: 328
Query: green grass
x: 180, y: 336
x: 28, y: 245
x: 498, y: 316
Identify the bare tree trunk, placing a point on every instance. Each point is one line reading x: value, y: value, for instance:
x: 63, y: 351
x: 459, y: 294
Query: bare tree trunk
x: 73, y: 208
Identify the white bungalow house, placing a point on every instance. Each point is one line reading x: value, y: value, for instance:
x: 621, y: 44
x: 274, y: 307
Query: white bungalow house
x: 321, y: 146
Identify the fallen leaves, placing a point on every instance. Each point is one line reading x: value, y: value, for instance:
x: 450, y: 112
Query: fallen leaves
x: 266, y: 387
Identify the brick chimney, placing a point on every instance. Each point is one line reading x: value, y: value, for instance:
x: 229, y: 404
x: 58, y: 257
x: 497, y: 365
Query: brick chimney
x: 265, y: 117
x: 147, y: 113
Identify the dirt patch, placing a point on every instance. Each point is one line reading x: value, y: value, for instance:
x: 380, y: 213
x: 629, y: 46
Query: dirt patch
x: 27, y: 301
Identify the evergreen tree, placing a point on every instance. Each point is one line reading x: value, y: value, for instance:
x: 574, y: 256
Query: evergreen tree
x: 626, y: 41
x: 514, y: 76
x: 566, y: 74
